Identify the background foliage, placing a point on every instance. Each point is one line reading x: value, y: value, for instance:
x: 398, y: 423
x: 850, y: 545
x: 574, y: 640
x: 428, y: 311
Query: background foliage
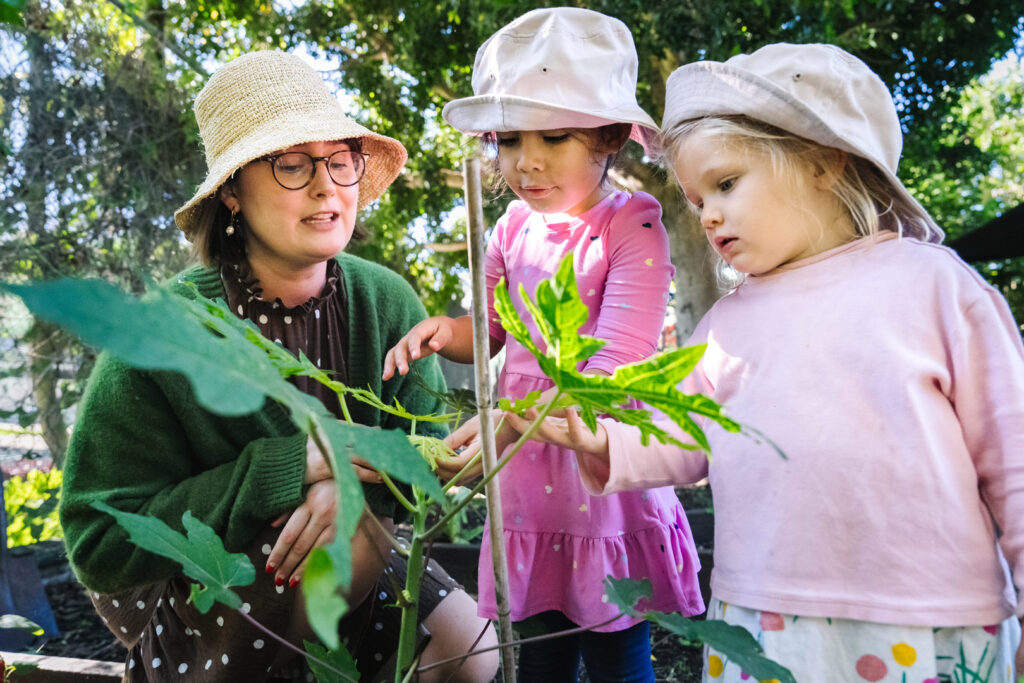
x: 100, y: 146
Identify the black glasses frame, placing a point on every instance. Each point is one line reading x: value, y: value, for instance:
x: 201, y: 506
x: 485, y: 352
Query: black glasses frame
x: 272, y: 158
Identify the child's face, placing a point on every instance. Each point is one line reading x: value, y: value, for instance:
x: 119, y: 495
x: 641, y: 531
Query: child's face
x: 754, y: 218
x: 552, y: 170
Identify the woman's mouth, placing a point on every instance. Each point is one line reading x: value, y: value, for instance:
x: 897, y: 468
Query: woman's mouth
x: 320, y: 218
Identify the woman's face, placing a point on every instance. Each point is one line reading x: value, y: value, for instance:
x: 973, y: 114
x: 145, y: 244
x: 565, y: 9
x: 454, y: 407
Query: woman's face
x: 293, y: 229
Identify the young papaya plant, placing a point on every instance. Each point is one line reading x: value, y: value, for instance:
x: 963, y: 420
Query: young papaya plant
x: 235, y: 368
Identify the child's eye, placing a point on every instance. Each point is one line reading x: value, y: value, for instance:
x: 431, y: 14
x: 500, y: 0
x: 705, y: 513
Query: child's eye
x: 555, y: 139
x: 727, y: 184
x: 508, y: 140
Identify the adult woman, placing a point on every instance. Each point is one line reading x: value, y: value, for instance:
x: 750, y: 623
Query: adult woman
x: 287, y: 173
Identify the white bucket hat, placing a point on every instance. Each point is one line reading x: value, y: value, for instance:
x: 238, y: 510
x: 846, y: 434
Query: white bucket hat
x: 266, y: 101
x: 561, y: 67
x: 818, y: 92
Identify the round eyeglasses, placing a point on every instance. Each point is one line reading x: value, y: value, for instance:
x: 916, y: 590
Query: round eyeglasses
x: 295, y: 170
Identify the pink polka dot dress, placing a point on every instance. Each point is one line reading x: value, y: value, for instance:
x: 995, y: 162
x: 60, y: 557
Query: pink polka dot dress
x: 561, y: 541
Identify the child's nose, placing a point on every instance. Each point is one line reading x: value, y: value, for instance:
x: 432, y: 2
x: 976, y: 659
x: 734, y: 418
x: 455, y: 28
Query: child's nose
x: 530, y: 157
x: 710, y: 217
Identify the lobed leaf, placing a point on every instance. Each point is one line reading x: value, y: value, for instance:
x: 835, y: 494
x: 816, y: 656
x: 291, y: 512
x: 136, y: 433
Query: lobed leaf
x: 735, y: 642
x: 201, y: 554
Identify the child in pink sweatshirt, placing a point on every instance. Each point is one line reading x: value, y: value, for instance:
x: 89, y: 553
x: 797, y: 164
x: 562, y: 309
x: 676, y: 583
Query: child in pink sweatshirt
x: 888, y: 372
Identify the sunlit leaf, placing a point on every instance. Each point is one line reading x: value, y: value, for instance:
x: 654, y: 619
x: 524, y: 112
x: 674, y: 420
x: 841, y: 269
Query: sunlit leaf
x: 20, y: 622
x: 201, y: 554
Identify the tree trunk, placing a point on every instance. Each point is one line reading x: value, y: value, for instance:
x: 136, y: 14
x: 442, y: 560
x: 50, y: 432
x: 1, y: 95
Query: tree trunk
x: 45, y: 352
x: 696, y: 285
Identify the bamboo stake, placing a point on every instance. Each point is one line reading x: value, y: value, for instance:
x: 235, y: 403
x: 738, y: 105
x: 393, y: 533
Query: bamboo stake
x: 481, y: 361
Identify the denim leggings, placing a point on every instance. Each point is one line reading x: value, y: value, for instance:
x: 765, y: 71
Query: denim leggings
x: 618, y: 657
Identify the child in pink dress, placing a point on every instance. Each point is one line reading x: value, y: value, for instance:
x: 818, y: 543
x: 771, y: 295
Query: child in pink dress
x: 556, y: 135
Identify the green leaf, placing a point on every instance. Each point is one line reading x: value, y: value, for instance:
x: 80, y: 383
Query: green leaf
x: 386, y: 449
x: 10, y: 13
x: 201, y: 554
x: 19, y: 622
x: 324, y: 604
x: 339, y: 658
x: 558, y: 314
x: 158, y: 332
x: 734, y: 642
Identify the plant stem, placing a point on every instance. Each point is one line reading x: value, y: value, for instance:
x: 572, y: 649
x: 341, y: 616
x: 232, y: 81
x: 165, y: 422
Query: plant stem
x: 410, y: 611
x: 291, y: 646
x: 533, y: 639
x: 520, y: 442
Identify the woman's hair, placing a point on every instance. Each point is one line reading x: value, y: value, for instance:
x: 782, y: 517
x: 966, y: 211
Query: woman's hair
x: 604, y: 142
x: 212, y: 246
x: 861, y: 187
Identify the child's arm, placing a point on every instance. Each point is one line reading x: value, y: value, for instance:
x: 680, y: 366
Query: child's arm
x: 451, y: 337
x: 636, y: 287
x: 613, y: 458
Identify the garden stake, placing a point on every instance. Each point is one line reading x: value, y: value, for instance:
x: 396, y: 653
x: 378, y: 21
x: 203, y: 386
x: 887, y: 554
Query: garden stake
x: 481, y: 361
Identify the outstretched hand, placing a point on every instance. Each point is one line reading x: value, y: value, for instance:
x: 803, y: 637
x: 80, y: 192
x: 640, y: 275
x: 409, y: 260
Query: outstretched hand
x: 425, y: 338
x: 467, y: 436
x: 563, y: 428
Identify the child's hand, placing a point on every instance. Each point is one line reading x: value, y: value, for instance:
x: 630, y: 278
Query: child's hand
x: 468, y: 435
x: 427, y: 337
x: 568, y: 432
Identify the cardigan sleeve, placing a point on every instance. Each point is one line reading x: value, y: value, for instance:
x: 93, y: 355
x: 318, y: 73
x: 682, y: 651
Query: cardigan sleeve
x: 636, y: 288
x: 143, y: 445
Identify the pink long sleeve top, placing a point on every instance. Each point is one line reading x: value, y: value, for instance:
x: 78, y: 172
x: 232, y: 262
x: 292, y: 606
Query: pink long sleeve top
x: 892, y: 377
x: 561, y: 541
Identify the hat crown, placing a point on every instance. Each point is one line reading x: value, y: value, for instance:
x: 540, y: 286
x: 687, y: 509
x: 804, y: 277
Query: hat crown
x: 841, y: 89
x: 257, y: 91
x: 556, y: 56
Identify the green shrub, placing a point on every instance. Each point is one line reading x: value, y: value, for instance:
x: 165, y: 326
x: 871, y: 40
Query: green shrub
x: 31, y: 505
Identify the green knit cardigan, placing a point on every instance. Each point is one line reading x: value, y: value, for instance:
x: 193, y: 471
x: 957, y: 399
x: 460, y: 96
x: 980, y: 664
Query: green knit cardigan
x: 143, y: 444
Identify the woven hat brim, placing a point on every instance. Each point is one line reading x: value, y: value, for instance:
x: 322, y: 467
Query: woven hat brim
x: 709, y: 88
x: 506, y: 113
x: 387, y: 157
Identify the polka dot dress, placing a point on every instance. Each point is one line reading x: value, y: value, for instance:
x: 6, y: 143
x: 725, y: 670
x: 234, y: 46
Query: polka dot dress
x: 821, y: 650
x: 169, y: 640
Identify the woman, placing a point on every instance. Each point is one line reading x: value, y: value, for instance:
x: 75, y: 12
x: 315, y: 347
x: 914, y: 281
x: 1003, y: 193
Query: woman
x: 288, y: 171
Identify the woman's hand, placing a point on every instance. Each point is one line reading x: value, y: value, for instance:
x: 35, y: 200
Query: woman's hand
x: 317, y: 468
x: 566, y: 430
x: 306, y: 527
x: 427, y: 337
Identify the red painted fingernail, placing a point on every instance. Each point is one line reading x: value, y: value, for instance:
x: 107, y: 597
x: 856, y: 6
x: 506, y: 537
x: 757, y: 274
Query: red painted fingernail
x: 278, y: 580
x: 293, y: 582
x: 270, y: 568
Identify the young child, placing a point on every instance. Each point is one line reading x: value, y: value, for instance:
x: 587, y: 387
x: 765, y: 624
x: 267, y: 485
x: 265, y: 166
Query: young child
x: 556, y: 135
x: 888, y: 372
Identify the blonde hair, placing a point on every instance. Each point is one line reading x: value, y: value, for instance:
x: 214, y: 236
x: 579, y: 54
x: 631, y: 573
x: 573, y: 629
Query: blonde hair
x: 862, y: 188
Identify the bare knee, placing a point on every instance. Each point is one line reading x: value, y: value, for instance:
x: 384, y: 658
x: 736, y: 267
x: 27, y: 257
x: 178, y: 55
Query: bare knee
x: 455, y: 629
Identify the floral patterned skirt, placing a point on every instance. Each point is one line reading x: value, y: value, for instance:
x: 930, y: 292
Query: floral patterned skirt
x: 822, y: 650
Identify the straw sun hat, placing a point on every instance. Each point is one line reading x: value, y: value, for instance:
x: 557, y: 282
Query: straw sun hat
x: 558, y: 67
x: 266, y: 101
